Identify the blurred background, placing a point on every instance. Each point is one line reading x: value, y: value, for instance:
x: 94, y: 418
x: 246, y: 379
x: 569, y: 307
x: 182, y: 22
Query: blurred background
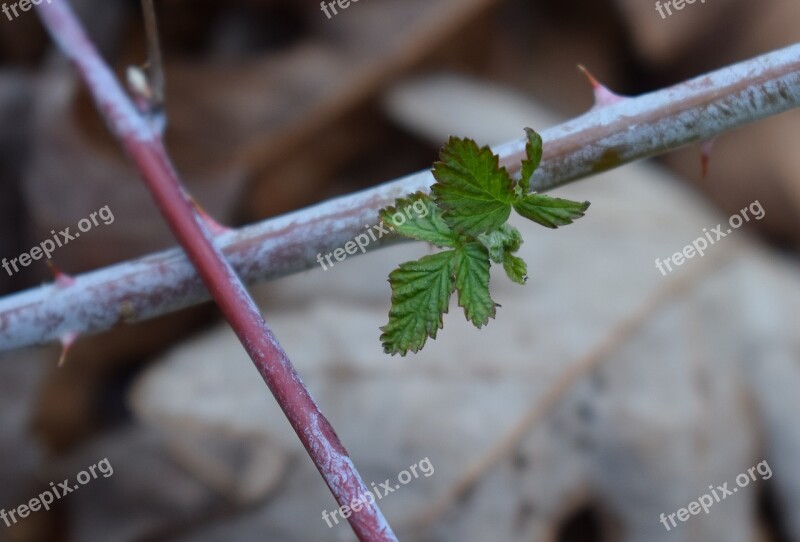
x: 603, y: 395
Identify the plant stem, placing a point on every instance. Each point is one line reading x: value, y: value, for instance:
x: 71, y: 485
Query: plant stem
x: 144, y: 146
x: 601, y: 139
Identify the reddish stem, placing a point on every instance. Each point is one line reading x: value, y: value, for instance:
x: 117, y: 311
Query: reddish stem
x: 145, y: 148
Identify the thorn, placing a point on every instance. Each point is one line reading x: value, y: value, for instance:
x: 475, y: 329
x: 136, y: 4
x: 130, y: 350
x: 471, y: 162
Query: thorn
x: 705, y: 155
x: 213, y: 226
x: 66, y: 340
x: 62, y: 279
x: 602, y: 96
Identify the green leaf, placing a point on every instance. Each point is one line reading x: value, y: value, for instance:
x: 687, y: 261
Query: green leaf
x: 501, y: 244
x: 500, y: 241
x: 418, y: 217
x: 420, y: 296
x: 474, y: 192
x: 533, y: 150
x: 472, y: 283
x: 515, y: 268
x: 467, y: 212
x: 550, y: 212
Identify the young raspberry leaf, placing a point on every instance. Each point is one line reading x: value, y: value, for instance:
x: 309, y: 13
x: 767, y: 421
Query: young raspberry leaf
x: 501, y: 244
x: 472, y: 189
x: 515, y: 268
x: 533, y: 150
x: 550, y: 212
x: 472, y: 283
x: 470, y: 204
x: 418, y: 217
x: 420, y: 296
x: 505, y: 239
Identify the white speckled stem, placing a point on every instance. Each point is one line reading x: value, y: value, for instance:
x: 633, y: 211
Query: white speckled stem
x: 603, y: 138
x: 144, y: 147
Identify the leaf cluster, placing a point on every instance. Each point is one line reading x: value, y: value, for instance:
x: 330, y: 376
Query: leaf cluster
x: 467, y: 214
